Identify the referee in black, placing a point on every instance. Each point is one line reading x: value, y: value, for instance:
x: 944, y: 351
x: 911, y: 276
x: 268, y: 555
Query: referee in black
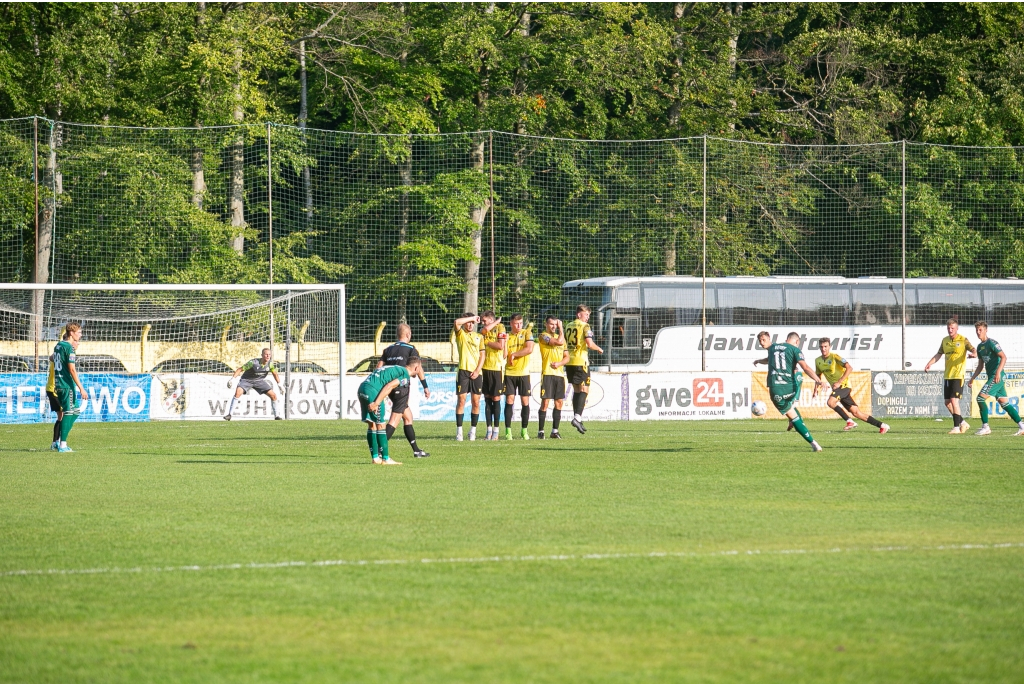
x: 397, y: 355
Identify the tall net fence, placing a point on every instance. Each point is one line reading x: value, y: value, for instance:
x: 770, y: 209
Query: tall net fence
x: 424, y: 227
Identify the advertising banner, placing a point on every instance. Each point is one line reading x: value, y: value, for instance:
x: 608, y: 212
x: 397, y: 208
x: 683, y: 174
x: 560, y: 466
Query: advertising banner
x: 1014, y: 382
x: 811, y: 406
x: 198, y: 396
x: 911, y: 394
x: 112, y: 397
x: 686, y: 396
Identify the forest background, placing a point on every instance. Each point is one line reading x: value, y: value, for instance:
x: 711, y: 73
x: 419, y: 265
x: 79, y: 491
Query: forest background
x: 488, y: 187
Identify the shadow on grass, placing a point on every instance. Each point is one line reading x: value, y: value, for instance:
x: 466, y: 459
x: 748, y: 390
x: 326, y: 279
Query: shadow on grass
x: 326, y: 461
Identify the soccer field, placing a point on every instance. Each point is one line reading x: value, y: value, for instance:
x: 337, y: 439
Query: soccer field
x: 662, y: 551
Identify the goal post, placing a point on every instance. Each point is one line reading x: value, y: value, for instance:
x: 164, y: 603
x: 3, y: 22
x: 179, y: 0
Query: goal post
x: 184, y: 337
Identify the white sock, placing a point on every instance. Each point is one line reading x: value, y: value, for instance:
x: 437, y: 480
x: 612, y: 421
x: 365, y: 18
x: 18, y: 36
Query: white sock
x: 273, y: 407
x: 231, y: 407
x: 63, y: 444
x: 578, y: 417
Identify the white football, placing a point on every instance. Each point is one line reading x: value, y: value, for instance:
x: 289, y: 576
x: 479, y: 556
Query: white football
x: 758, y: 408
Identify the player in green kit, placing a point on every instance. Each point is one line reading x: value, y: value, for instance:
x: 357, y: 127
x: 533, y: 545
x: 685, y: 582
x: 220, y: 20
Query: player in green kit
x: 784, y: 362
x: 992, y: 358
x: 65, y: 380
x: 371, y: 393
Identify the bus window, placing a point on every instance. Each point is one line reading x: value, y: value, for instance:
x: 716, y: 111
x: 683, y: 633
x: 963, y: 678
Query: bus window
x: 817, y: 304
x: 1005, y: 306
x: 626, y: 340
x: 880, y: 304
x: 760, y: 306
x: 678, y: 305
x: 627, y: 298
x: 936, y: 304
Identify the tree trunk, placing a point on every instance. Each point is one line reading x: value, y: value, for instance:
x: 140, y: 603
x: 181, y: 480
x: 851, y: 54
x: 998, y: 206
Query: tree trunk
x: 670, y: 248
x: 237, y: 190
x: 735, y: 10
x: 307, y: 185
x: 50, y: 184
x: 678, y: 11
x: 524, y: 30
x: 479, y: 216
x: 198, y: 175
x: 405, y: 178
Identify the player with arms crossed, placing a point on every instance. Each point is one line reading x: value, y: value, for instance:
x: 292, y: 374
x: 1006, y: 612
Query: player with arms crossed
x: 371, y: 393
x: 398, y: 355
x: 470, y: 344
x: 836, y: 370
x: 553, y: 357
x: 493, y: 386
x: 65, y: 380
x: 784, y: 361
x: 992, y: 358
x: 254, y: 377
x: 579, y: 338
x: 519, y: 347
x: 957, y: 349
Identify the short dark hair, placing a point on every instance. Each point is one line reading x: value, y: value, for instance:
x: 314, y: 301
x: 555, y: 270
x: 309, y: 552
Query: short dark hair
x: 551, y: 317
x: 467, y: 315
x: 413, y: 359
x: 981, y: 324
x: 489, y: 314
x: 515, y: 317
x: 582, y: 308
x: 764, y: 334
x: 824, y: 339
x: 792, y: 334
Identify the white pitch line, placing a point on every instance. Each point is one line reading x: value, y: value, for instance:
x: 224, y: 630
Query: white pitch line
x: 496, y: 559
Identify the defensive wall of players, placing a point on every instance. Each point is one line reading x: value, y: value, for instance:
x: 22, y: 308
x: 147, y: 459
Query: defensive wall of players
x: 613, y: 396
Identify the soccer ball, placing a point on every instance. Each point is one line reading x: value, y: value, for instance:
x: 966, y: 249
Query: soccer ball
x: 758, y: 408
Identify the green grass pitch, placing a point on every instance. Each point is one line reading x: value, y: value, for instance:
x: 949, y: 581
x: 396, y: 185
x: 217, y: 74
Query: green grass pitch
x: 884, y: 558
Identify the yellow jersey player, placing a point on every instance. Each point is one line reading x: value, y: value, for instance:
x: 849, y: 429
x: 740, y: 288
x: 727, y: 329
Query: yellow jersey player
x: 519, y: 347
x: 836, y: 371
x: 553, y: 357
x: 469, y: 344
x: 579, y: 340
x: 956, y: 349
x: 493, y: 371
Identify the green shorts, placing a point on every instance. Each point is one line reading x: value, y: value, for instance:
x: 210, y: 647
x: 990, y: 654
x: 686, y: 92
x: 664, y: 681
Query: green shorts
x: 66, y: 397
x: 993, y: 389
x: 783, y: 398
x: 364, y: 409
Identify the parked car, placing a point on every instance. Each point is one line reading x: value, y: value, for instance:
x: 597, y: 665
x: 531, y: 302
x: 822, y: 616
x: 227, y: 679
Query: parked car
x: 430, y: 365
x: 10, y: 363
x: 98, y: 363
x: 192, y: 366
x: 304, y: 367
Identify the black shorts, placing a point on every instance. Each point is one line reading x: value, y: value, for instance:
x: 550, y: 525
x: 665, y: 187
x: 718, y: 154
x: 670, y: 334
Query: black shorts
x: 578, y: 375
x: 54, y: 402
x: 953, y: 388
x: 466, y: 385
x: 260, y: 385
x: 399, y: 399
x: 517, y: 384
x: 552, y: 388
x: 845, y: 397
x: 494, y: 383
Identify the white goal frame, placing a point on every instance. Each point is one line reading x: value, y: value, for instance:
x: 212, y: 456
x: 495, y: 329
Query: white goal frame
x: 224, y: 287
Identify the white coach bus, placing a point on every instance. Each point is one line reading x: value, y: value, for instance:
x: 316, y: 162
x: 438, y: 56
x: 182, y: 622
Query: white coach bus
x: 654, y: 323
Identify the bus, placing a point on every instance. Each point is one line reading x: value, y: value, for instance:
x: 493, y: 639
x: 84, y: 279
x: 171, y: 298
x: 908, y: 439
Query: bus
x: 654, y: 323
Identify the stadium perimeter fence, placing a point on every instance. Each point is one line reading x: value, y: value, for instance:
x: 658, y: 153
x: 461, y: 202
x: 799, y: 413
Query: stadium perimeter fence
x: 424, y: 227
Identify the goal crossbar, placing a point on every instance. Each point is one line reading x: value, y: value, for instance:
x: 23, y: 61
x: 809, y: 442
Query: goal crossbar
x: 294, y: 287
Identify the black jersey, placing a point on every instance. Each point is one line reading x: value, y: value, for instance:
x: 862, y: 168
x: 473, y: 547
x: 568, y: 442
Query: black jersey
x: 398, y: 354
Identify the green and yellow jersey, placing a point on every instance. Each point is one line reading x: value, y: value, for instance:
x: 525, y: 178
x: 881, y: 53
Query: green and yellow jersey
x: 550, y: 353
x: 955, y: 350
x: 494, y: 360
x: 469, y: 345
x: 576, y: 334
x: 61, y: 361
x: 832, y: 368
x: 516, y: 342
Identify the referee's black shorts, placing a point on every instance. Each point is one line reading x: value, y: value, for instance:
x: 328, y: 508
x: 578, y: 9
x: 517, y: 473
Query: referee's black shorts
x: 399, y: 399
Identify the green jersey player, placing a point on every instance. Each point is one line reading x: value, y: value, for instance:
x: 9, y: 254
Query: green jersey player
x: 65, y: 380
x: 371, y: 393
x: 784, y: 363
x: 992, y: 358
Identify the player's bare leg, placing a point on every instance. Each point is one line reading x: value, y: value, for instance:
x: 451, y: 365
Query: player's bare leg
x: 798, y: 425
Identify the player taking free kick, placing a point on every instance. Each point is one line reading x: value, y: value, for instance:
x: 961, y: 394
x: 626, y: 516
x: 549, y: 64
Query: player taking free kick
x: 784, y: 379
x: 992, y: 358
x: 957, y: 349
x: 254, y: 377
x: 371, y: 393
x: 579, y: 339
x: 836, y: 370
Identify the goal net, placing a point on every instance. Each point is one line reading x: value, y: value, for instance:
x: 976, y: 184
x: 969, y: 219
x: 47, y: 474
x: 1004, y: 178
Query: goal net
x: 152, y: 352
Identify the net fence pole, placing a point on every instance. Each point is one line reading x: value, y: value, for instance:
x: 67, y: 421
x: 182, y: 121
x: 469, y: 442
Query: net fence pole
x: 37, y: 296
x: 704, y: 261
x: 341, y: 352
x: 270, y: 238
x: 288, y: 357
x: 490, y: 148
x: 903, y: 257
